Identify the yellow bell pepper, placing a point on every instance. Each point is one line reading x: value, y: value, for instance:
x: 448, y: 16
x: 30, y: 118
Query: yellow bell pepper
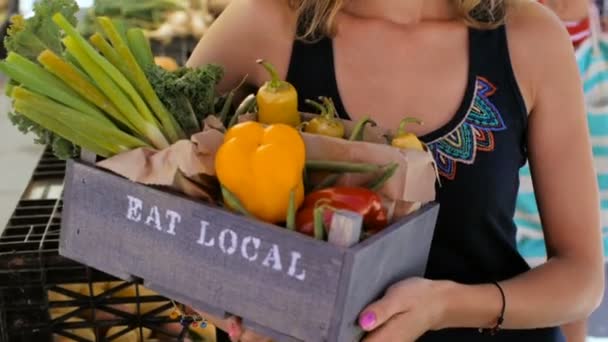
x: 407, y: 140
x: 277, y: 100
x: 262, y: 166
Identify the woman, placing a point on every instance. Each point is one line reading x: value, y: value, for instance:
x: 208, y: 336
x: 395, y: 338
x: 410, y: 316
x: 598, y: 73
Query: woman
x: 488, y: 103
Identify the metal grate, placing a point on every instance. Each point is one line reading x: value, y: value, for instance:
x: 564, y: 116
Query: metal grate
x: 41, y: 293
x: 49, y: 167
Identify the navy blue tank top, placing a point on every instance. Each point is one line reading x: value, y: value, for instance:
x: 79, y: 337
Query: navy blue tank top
x: 478, y: 155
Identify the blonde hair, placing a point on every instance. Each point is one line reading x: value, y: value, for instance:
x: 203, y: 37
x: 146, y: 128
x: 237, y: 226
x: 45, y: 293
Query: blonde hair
x: 317, y: 17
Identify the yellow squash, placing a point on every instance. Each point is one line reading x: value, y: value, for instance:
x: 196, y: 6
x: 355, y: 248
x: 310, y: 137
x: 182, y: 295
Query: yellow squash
x: 261, y: 166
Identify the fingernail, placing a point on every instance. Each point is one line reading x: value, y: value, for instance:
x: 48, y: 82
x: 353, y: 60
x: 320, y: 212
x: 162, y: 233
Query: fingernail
x: 232, y: 330
x: 368, y: 320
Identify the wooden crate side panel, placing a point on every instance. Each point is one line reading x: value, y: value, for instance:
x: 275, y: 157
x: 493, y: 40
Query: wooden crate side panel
x: 277, y: 279
x: 399, y: 253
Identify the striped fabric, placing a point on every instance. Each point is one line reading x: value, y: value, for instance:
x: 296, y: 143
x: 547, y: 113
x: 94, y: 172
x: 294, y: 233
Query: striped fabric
x: 594, y: 70
x: 579, y: 30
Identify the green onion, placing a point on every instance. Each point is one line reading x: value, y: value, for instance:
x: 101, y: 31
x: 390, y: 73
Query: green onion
x: 114, y: 93
x: 169, y: 124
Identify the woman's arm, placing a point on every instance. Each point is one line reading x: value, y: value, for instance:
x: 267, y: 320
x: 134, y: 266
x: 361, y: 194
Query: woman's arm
x: 247, y: 30
x: 570, y: 285
x: 575, y: 332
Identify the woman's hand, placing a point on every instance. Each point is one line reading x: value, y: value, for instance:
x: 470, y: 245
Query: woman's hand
x: 409, y: 309
x: 239, y: 334
x: 233, y: 327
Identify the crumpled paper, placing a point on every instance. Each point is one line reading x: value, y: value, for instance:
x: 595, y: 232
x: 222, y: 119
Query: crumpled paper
x: 187, y: 166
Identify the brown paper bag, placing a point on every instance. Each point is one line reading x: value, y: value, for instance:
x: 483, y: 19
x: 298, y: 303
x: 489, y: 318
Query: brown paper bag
x: 187, y: 166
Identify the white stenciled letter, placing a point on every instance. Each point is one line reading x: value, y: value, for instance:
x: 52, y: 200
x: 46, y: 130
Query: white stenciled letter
x: 134, y: 210
x: 295, y: 256
x: 201, y: 241
x: 233, y: 241
x: 174, y: 219
x: 273, y: 257
x: 256, y: 246
x: 154, y: 217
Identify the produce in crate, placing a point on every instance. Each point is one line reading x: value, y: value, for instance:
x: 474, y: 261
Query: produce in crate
x: 257, y: 163
x: 277, y: 100
x: 362, y: 201
x: 327, y: 123
x: 109, y: 96
x: 407, y: 140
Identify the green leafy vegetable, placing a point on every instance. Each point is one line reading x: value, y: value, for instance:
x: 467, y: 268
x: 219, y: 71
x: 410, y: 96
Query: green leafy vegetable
x: 29, y: 37
x: 188, y: 93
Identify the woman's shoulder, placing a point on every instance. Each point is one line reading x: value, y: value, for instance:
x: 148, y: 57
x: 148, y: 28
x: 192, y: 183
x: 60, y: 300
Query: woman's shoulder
x: 538, y: 43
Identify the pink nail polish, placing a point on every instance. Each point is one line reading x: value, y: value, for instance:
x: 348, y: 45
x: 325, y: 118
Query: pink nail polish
x: 368, y: 320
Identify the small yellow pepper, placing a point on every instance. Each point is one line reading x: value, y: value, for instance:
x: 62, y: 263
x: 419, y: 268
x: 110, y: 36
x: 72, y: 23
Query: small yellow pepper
x: 327, y: 123
x: 407, y: 140
x: 262, y: 166
x: 277, y: 100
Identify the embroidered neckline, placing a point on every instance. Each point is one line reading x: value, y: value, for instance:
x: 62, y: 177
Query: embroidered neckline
x: 474, y: 133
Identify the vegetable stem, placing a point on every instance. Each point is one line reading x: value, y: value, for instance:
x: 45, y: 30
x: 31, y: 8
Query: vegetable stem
x: 291, y: 211
x: 81, y: 85
x: 105, y: 83
x: 169, y: 124
x: 140, y: 46
x: 377, y: 184
x: 233, y: 202
x: 342, y: 167
x: 36, y: 78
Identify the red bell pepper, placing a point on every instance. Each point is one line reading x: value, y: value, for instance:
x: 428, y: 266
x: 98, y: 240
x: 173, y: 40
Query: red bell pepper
x: 363, y: 201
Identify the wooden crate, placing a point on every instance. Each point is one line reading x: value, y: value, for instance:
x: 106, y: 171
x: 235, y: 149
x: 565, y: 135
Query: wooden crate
x: 283, y: 284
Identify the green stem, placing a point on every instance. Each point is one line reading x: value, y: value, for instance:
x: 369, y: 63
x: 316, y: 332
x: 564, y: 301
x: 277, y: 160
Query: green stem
x: 226, y: 108
x: 328, y: 182
x: 276, y: 83
x: 43, y: 119
x: 105, y: 133
x: 405, y: 122
x: 319, y: 225
x: 140, y: 80
x: 243, y: 108
x: 291, y: 212
x: 149, y: 130
x: 110, y: 53
x: 35, y: 77
x: 234, y: 202
x: 359, y: 130
x: 318, y: 106
x: 343, y: 167
x: 329, y: 104
x: 377, y: 184
x: 140, y: 46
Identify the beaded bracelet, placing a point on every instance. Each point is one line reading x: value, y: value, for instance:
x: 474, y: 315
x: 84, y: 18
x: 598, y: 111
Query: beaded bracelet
x: 501, y: 318
x: 186, y: 320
